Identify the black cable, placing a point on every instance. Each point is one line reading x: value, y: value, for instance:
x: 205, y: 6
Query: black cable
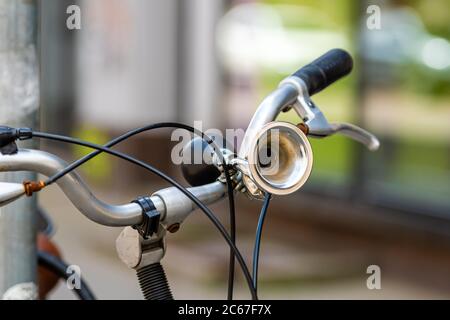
x: 233, y: 239
x: 186, y: 192
x: 128, y: 135
x: 136, y: 131
x: 257, y: 247
x: 59, y: 268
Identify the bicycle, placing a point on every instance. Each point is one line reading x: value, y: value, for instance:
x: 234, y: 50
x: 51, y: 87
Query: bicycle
x: 275, y: 158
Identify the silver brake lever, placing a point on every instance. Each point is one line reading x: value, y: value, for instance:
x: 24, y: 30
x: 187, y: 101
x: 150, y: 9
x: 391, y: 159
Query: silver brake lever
x: 358, y: 134
x: 318, y: 125
x: 347, y: 129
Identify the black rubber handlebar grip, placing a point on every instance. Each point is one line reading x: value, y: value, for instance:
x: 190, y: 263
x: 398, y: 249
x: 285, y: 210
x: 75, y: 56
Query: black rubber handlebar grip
x: 325, y: 70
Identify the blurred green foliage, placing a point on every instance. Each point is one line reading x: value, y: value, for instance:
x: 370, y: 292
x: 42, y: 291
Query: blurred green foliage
x: 98, y: 168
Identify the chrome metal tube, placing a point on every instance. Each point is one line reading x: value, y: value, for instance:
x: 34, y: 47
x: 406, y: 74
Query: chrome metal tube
x: 73, y: 187
x: 178, y: 206
x: 267, y: 111
x: 172, y: 204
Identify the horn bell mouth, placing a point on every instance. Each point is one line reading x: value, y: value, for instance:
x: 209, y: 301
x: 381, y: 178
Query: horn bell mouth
x: 280, y: 158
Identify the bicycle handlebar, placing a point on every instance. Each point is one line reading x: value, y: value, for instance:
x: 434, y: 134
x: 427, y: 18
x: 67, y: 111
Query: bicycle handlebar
x: 325, y: 70
x: 171, y: 203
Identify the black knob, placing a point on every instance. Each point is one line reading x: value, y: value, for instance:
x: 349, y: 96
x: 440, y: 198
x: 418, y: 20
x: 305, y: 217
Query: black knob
x: 197, y: 162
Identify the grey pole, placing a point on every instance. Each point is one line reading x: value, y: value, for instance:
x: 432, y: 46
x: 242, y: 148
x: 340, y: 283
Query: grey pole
x: 19, y: 106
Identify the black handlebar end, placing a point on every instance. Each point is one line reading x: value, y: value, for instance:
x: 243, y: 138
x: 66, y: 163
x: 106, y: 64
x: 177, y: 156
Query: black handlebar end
x: 325, y: 70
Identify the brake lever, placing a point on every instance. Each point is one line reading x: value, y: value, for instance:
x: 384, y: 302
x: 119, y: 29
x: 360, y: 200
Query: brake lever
x: 358, y: 134
x: 349, y: 130
x: 318, y: 126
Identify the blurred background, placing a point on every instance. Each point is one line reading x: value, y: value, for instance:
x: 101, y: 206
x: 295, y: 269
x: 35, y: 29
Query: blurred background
x: 135, y: 62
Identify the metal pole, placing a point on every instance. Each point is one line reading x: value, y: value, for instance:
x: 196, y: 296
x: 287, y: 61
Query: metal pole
x: 19, y: 106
